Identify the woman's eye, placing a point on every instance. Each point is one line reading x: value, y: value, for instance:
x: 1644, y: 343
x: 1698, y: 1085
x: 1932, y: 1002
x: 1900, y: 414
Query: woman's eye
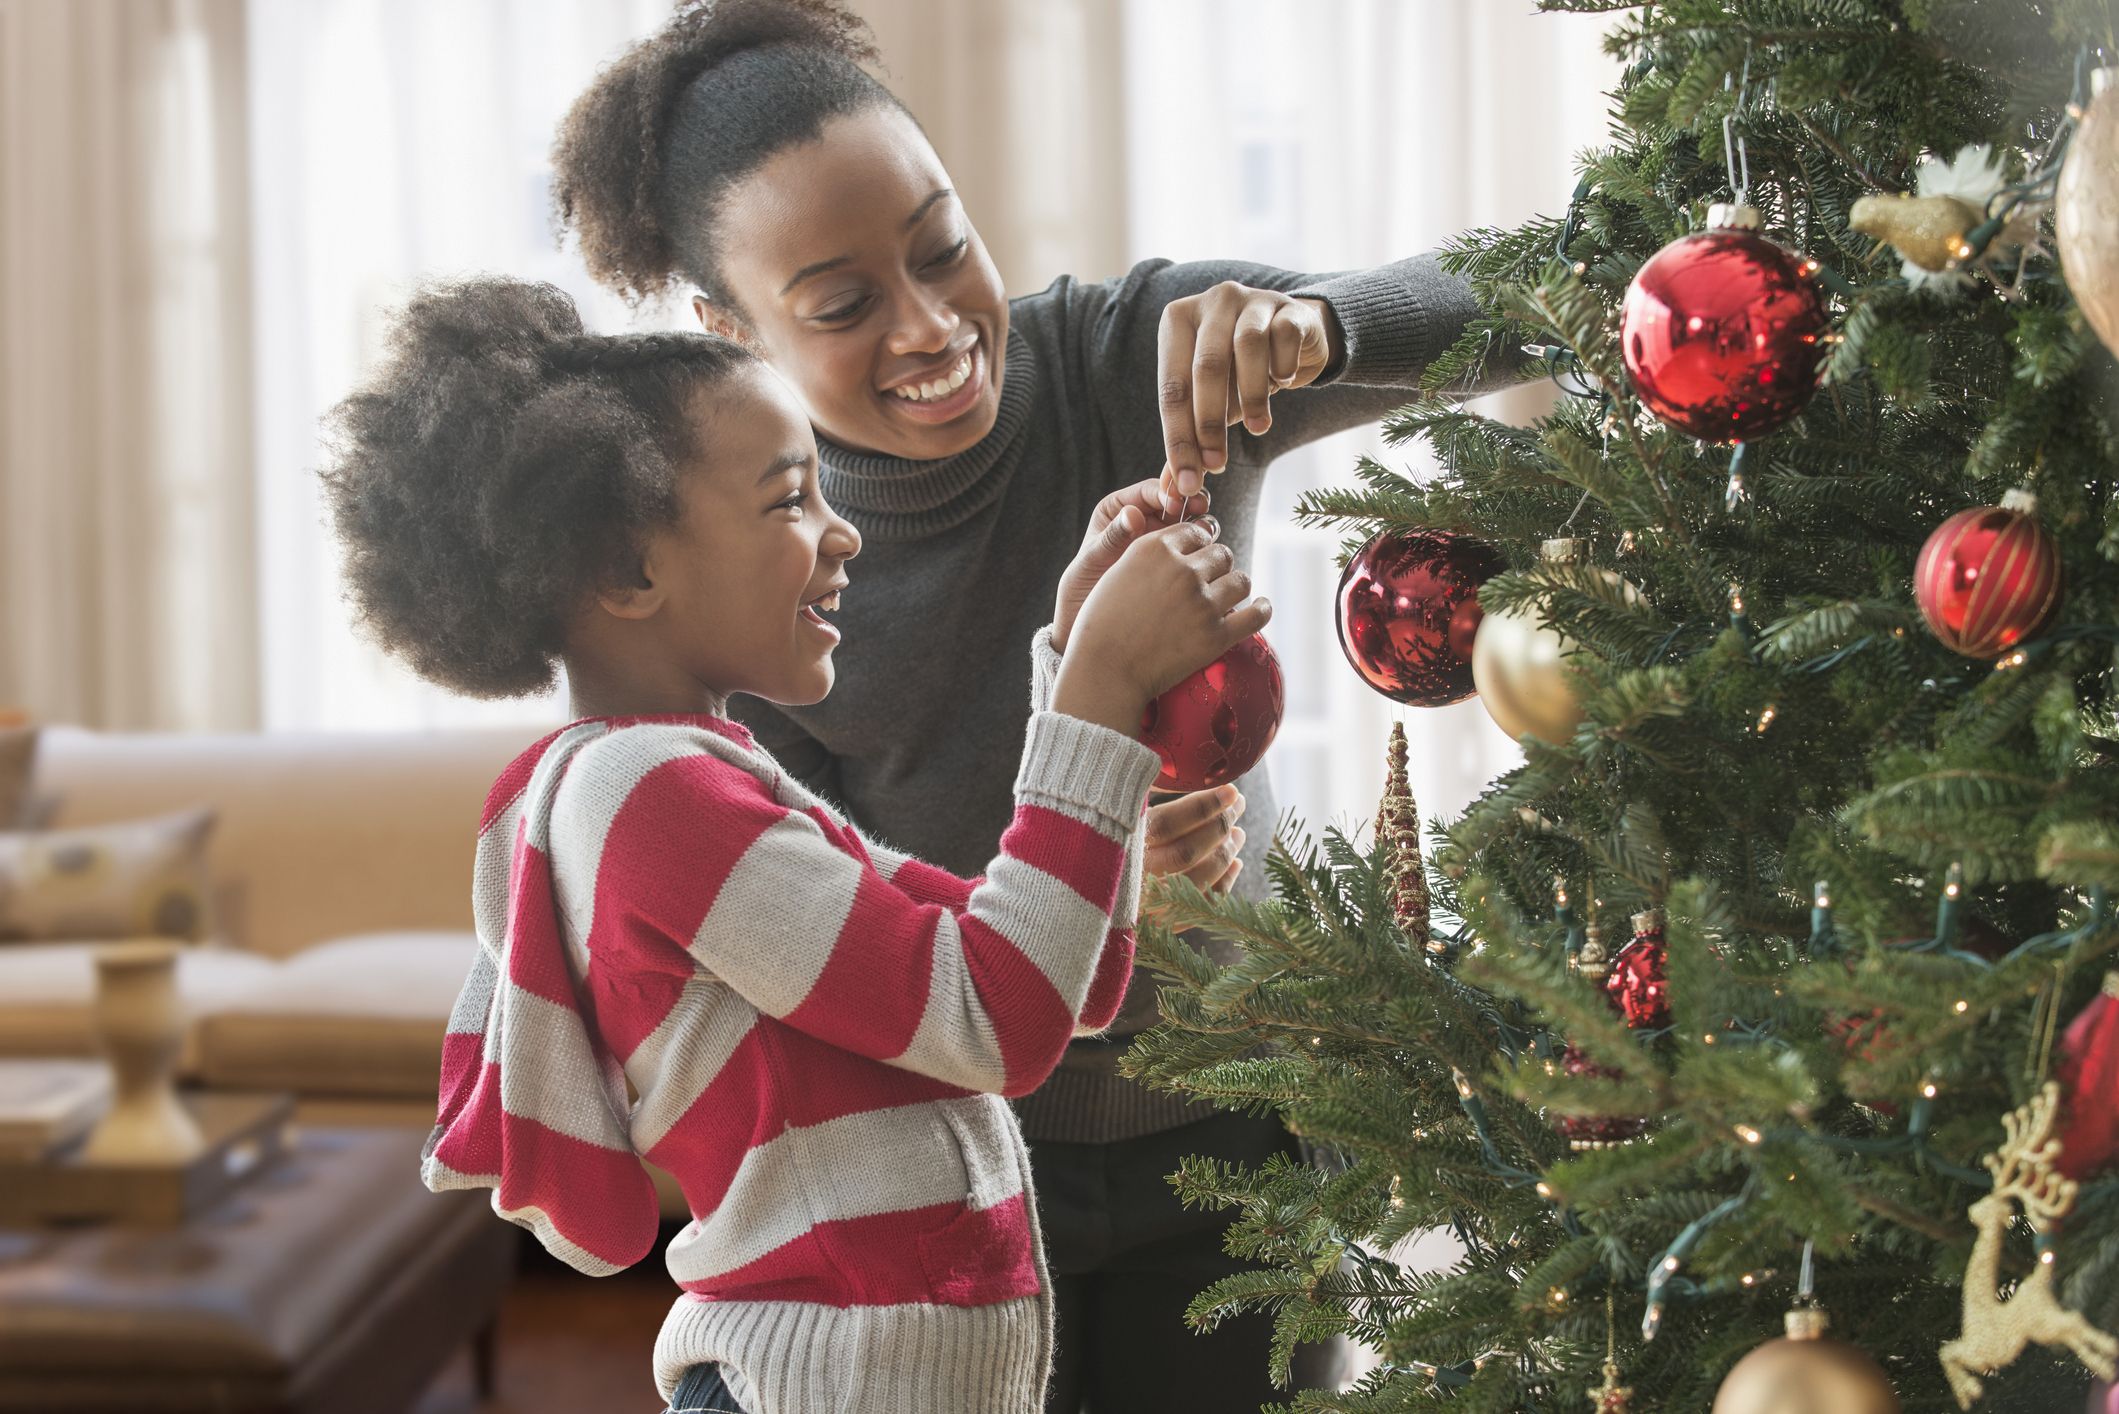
x: 840, y: 313
x: 951, y: 255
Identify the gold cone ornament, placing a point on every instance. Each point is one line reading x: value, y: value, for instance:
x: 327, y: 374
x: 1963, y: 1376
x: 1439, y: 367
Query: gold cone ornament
x: 1805, y: 1372
x: 1519, y: 664
x: 1398, y: 830
x: 1996, y: 1331
x: 2086, y: 210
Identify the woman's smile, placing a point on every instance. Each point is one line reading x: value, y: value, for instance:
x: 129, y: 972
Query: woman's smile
x: 941, y: 394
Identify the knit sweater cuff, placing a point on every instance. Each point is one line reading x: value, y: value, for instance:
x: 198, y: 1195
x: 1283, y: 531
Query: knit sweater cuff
x: 1044, y: 669
x: 1089, y: 772
x: 1387, y: 331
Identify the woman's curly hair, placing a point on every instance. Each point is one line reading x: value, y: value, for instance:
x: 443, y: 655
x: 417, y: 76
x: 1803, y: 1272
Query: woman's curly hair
x: 645, y: 155
x: 499, y: 468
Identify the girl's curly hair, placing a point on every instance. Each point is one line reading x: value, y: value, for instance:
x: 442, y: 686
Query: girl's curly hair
x: 645, y: 155
x: 500, y: 467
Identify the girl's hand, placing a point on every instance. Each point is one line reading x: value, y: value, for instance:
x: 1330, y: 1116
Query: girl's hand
x: 1172, y: 604
x: 1223, y: 354
x: 1120, y: 517
x: 1196, y: 835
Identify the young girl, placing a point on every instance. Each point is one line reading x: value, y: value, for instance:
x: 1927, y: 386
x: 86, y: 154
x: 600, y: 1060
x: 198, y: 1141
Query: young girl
x: 819, y: 1029
x: 743, y: 152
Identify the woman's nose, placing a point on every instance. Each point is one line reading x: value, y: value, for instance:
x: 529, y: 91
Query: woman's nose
x: 925, y: 323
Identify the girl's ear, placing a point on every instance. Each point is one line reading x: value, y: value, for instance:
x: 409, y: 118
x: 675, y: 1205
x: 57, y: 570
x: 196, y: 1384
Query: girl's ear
x: 716, y: 320
x: 638, y: 600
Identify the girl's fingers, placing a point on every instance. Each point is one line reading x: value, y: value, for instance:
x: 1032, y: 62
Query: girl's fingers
x: 1252, y: 349
x: 1229, y: 591
x: 1250, y: 619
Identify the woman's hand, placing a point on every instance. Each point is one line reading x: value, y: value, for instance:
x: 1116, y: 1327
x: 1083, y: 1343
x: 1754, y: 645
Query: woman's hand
x: 1222, y: 355
x: 1196, y: 835
x: 1120, y: 518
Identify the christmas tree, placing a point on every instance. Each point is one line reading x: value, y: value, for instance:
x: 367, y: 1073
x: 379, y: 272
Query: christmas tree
x: 1765, y: 958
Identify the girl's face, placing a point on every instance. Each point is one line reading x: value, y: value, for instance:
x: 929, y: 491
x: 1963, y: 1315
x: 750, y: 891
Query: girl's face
x: 858, y: 276
x: 738, y: 588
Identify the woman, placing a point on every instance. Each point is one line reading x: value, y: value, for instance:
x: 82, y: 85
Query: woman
x: 743, y: 152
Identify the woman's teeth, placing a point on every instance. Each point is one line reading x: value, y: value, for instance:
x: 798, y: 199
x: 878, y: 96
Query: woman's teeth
x: 940, y: 387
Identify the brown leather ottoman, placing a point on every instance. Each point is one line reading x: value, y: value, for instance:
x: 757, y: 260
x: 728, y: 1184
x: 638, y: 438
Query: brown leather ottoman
x: 334, y: 1284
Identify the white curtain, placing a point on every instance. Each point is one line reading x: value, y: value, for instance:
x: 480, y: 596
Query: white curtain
x: 1332, y: 135
x: 126, y: 545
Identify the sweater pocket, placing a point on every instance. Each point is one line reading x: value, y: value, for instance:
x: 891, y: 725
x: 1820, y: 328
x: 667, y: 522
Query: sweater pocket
x: 982, y: 1253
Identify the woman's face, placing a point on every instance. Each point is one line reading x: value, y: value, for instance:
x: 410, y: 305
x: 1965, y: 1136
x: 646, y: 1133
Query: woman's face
x: 857, y: 275
x: 744, y: 577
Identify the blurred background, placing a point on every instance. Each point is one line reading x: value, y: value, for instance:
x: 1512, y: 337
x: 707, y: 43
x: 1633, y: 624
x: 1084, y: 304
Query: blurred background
x: 206, y: 206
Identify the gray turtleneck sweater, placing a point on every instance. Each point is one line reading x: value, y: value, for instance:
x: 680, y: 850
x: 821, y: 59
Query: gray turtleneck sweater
x: 920, y: 739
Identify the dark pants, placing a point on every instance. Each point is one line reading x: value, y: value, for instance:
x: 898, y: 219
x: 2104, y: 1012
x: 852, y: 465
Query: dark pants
x: 1126, y: 1259
x: 701, y: 1391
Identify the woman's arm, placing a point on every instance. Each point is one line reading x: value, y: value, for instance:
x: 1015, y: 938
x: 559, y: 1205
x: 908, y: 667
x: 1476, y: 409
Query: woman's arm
x: 1195, y: 346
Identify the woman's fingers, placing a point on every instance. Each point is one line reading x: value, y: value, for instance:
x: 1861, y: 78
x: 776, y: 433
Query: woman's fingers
x: 1213, y: 359
x: 1252, y: 349
x: 1176, y: 340
x: 1185, y: 834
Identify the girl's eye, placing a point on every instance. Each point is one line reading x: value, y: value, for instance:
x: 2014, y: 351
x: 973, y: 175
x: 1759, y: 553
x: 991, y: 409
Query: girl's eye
x: 951, y: 255
x: 794, y: 502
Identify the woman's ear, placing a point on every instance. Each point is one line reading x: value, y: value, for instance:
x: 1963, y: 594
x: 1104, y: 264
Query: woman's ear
x: 716, y: 319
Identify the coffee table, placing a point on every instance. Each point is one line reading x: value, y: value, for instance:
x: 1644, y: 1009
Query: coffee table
x: 334, y: 1283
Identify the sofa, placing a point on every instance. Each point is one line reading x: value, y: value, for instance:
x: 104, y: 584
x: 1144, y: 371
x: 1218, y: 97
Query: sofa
x: 340, y: 906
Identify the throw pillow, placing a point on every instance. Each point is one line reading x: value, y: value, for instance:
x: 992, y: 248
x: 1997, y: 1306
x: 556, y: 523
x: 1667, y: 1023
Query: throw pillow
x: 139, y: 878
x: 18, y: 753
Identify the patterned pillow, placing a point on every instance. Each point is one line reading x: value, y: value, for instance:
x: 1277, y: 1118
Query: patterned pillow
x: 141, y: 878
x: 18, y: 753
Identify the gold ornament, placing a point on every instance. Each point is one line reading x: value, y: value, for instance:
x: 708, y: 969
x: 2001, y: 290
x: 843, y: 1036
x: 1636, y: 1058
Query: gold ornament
x: 1996, y: 1331
x: 2086, y: 210
x: 1927, y: 230
x: 1398, y: 828
x: 1519, y: 664
x: 1930, y: 227
x: 1611, y: 1397
x: 1805, y: 1373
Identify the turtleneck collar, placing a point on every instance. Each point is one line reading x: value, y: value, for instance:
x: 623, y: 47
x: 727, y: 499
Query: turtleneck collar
x: 898, y: 498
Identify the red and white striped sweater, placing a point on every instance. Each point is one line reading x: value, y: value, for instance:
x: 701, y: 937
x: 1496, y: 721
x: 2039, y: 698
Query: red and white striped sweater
x: 819, y: 1030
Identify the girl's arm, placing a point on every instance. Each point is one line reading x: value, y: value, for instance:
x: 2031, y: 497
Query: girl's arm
x: 1114, y: 965
x: 788, y: 908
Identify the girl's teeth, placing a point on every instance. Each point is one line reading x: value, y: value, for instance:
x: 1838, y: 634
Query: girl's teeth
x: 940, y: 387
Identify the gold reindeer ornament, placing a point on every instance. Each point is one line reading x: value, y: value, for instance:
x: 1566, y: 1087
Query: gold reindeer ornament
x: 1996, y: 1331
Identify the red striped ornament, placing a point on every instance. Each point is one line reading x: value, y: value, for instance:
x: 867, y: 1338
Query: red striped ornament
x: 1989, y: 577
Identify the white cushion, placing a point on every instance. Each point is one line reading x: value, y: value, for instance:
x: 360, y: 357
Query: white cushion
x: 356, y: 1016
x: 48, y: 990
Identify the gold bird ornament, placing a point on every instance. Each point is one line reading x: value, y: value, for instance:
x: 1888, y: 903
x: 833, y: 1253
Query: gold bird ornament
x: 1927, y: 230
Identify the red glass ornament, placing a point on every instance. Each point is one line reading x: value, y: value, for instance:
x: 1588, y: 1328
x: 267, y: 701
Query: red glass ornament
x: 1988, y: 578
x: 2104, y: 1398
x: 2088, y: 1072
x: 1637, y: 984
x: 1723, y: 332
x: 1408, y: 608
x: 1217, y: 723
x: 1595, y: 1131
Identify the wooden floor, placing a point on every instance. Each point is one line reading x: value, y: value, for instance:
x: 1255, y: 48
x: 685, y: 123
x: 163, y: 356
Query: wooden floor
x: 569, y: 1344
